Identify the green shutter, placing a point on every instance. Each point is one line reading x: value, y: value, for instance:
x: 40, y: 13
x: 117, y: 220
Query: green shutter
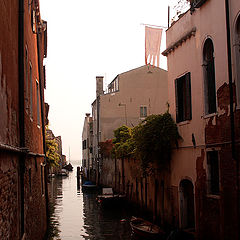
x: 188, y: 97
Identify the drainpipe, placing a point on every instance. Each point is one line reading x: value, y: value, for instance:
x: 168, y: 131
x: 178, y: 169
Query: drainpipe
x: 21, y: 109
x: 229, y: 52
x: 43, y: 120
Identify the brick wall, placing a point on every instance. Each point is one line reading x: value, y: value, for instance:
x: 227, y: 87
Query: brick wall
x: 33, y: 198
x: 9, y: 197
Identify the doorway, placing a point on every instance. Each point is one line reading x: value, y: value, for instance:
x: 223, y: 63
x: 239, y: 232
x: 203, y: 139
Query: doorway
x: 187, y: 216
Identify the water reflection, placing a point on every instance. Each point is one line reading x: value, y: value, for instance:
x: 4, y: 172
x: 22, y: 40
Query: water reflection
x: 78, y: 216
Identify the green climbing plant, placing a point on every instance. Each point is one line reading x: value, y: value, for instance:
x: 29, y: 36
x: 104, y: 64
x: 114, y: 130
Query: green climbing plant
x: 150, y: 141
x: 123, y: 142
x: 52, y: 155
x: 154, y: 138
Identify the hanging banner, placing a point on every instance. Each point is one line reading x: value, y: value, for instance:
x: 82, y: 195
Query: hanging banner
x: 153, y: 37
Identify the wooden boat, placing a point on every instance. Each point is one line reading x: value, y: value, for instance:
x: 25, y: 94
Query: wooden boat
x: 69, y: 167
x: 108, y: 197
x: 63, y: 173
x: 146, y: 229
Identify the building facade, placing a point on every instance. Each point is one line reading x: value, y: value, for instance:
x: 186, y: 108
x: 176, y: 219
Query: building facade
x: 87, y: 146
x: 129, y: 99
x: 203, y: 87
x: 23, y: 195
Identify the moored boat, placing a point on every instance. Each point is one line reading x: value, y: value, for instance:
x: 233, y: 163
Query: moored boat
x: 108, y: 198
x: 63, y: 173
x: 68, y: 167
x: 146, y: 229
x: 88, y: 185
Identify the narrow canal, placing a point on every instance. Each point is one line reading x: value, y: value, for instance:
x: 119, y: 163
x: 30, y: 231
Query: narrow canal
x: 77, y: 215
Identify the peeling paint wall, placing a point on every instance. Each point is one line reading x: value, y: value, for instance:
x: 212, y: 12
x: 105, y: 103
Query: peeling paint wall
x: 215, y: 215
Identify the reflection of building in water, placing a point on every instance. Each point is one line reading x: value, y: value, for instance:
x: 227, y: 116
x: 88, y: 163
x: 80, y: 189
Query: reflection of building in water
x: 104, y: 223
x: 92, y: 225
x: 55, y: 197
x: 55, y: 188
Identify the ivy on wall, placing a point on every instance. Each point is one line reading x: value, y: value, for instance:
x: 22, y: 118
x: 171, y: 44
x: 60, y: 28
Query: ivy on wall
x: 150, y: 141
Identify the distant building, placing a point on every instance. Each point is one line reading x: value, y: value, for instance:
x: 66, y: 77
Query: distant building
x: 205, y: 167
x: 23, y: 195
x: 130, y: 98
x: 87, y: 146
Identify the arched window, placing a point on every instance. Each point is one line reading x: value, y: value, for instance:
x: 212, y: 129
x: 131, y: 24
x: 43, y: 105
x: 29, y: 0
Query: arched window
x: 237, y: 54
x: 209, y: 77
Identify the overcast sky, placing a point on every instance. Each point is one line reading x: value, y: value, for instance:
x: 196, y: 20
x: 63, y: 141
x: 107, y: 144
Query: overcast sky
x: 87, y: 39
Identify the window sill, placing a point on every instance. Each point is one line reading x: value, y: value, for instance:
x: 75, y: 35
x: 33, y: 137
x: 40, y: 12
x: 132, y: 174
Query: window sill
x: 38, y: 126
x: 184, y: 123
x: 210, y: 115
x: 213, y: 196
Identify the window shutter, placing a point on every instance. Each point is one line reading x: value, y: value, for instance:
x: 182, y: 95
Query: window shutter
x: 145, y: 111
x: 45, y: 39
x: 176, y: 98
x: 211, y: 87
x: 141, y: 111
x: 188, y: 97
x: 44, y: 76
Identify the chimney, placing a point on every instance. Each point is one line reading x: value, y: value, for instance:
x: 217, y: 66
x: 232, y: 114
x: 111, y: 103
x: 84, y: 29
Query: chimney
x: 87, y: 114
x: 99, y: 85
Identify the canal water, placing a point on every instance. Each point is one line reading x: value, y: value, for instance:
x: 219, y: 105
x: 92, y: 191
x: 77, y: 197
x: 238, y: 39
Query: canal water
x: 77, y: 215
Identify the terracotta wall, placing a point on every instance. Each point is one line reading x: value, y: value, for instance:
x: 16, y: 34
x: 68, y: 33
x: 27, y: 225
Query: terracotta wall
x: 30, y: 204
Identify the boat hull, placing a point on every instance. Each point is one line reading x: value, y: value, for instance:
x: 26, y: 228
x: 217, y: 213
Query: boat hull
x: 145, y: 229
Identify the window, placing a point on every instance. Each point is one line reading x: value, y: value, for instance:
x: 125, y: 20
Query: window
x: 26, y: 79
x: 114, y: 85
x: 237, y: 55
x: 209, y: 77
x: 84, y: 144
x: 213, y: 172
x: 42, y: 179
x: 31, y: 90
x: 143, y: 112
x: 30, y: 179
x: 44, y: 76
x: 197, y: 3
x: 45, y: 38
x: 38, y: 105
x: 183, y: 98
x: 33, y: 21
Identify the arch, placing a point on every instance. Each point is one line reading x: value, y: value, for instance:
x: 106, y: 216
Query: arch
x: 209, y: 77
x: 187, y: 209
x: 236, y: 49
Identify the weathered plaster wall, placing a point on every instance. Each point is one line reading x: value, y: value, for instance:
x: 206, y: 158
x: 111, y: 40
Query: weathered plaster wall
x: 214, y: 217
